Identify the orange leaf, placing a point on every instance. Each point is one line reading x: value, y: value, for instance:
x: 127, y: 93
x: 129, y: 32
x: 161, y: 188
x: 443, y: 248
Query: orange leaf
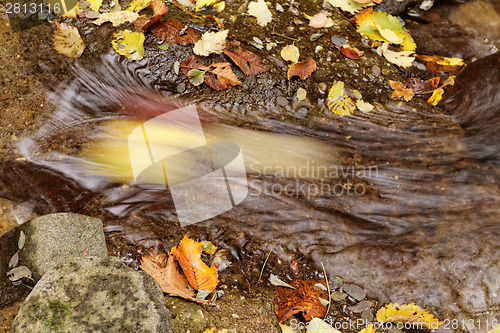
x: 169, y: 31
x: 143, y: 23
x: 304, y: 298
x: 400, y: 90
x: 351, y: 52
x: 164, y: 270
x: 247, y: 61
x: 199, y: 275
x: 218, y: 76
x: 302, y: 69
x: 439, y: 64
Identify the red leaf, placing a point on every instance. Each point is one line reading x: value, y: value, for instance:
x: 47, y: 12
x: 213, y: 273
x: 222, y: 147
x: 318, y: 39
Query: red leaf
x: 304, y: 298
x: 302, y: 69
x: 218, y: 76
x: 169, y: 31
x: 143, y: 23
x: 351, y: 52
x: 247, y: 61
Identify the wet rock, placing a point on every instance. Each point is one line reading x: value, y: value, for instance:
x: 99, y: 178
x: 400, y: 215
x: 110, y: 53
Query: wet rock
x: 361, y: 306
x: 94, y: 295
x: 475, y: 101
x: 367, y: 316
x: 354, y: 291
x: 52, y: 238
x: 186, y: 315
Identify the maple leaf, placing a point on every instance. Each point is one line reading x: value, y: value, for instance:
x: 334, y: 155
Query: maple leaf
x: 143, y: 23
x: 302, y: 69
x: 304, y: 298
x: 67, y: 41
x: 338, y: 101
x: 400, y: 90
x: 406, y: 313
x: 164, y: 270
x: 218, y: 76
x: 260, y: 10
x: 170, y: 32
x: 117, y: 18
x: 211, y: 42
x: 199, y: 275
x: 247, y: 61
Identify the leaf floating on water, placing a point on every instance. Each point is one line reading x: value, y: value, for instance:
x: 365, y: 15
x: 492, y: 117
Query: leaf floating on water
x: 406, y: 313
x: 14, y: 260
x: 199, y: 275
x: 67, y: 41
x: 302, y: 69
x: 21, y: 241
x: 290, y: 53
x: 129, y: 44
x: 383, y: 27
x: 164, y: 270
x: 174, y: 32
x: 211, y: 42
x: 321, y: 20
x: 248, y: 62
x: 19, y: 273
x: 260, y: 10
x: 349, y: 5
x: 316, y: 325
x: 338, y: 101
x: 143, y: 23
x: 400, y: 90
x: 117, y: 18
x: 436, y: 96
x: 276, y: 281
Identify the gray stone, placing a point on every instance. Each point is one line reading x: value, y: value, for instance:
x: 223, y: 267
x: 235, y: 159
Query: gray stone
x: 93, y: 294
x: 354, y: 291
x: 53, y: 238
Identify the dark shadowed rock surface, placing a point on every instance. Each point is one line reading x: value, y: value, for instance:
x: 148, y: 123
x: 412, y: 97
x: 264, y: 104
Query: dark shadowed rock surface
x: 94, y: 295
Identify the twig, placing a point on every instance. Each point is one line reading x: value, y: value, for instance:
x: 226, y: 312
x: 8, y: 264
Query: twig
x: 327, y: 288
x: 265, y: 262
x: 278, y: 34
x: 176, y: 4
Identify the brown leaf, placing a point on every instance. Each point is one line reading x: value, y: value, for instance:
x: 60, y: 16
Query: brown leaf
x: 439, y: 64
x: 304, y: 298
x: 247, y: 61
x: 143, y: 23
x: 169, y: 31
x: 199, y: 275
x: 302, y: 69
x: 117, y: 18
x: 351, y: 52
x: 422, y: 86
x: 400, y: 90
x: 218, y: 76
x: 164, y: 270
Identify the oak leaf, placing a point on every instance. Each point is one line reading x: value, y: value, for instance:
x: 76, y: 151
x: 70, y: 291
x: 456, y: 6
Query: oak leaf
x: 406, y: 313
x: 67, y: 41
x: 164, y: 270
x: 199, y: 275
x: 117, y: 18
x: 302, y: 69
x: 247, y: 61
x: 304, y: 298
x: 211, y: 42
x: 170, y: 32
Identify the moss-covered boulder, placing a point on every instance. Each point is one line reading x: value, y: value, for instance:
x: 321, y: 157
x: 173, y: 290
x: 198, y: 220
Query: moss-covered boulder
x: 90, y: 294
x: 53, y: 238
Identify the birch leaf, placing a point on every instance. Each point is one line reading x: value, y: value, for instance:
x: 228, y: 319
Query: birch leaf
x: 129, y: 44
x: 406, y: 313
x: 95, y: 5
x: 117, y: 18
x: 67, y: 41
x: 290, y: 53
x: 211, y: 42
x: 338, y: 101
x: 260, y: 10
x: 138, y: 5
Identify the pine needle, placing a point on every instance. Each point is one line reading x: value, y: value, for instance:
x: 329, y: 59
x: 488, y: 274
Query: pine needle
x: 328, y: 288
x: 263, y: 266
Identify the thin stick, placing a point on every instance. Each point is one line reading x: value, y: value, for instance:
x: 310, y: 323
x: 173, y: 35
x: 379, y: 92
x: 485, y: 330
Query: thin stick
x: 265, y: 262
x: 275, y: 33
x: 327, y: 288
x: 176, y: 4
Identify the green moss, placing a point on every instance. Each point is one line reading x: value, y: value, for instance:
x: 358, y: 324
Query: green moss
x: 58, y: 310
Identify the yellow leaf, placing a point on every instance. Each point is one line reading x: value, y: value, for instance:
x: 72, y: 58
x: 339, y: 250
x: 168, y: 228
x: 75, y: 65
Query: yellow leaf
x: 215, y: 330
x: 368, y: 329
x: 94, y: 4
x: 211, y: 42
x: 129, y: 44
x: 260, y: 10
x: 290, y: 53
x: 316, y: 325
x: 388, y: 34
x: 338, y: 101
x: 495, y: 330
x: 436, y: 96
x: 406, y: 313
x: 204, y: 3
x: 349, y: 5
x: 67, y: 41
x: 138, y: 5
x: 117, y: 18
x: 286, y: 329
x: 445, y: 61
x: 71, y: 12
x: 364, y: 106
x: 401, y: 59
x: 199, y: 275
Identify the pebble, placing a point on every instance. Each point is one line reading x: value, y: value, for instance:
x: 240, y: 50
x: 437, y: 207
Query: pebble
x: 355, y: 291
x: 338, y: 296
x: 337, y: 281
x: 367, y: 316
x: 361, y: 306
x: 282, y: 101
x: 181, y: 88
x: 338, y: 40
x: 376, y: 70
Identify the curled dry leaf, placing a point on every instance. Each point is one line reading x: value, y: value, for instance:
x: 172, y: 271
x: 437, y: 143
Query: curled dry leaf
x: 276, y: 281
x: 218, y: 76
x: 170, y: 32
x: 302, y: 69
x: 305, y: 299
x: 211, y: 42
x: 67, y: 41
x: 199, y: 275
x: 290, y: 53
x: 164, y: 270
x: 143, y: 23
x: 321, y: 20
x: 247, y: 61
x: 117, y: 18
